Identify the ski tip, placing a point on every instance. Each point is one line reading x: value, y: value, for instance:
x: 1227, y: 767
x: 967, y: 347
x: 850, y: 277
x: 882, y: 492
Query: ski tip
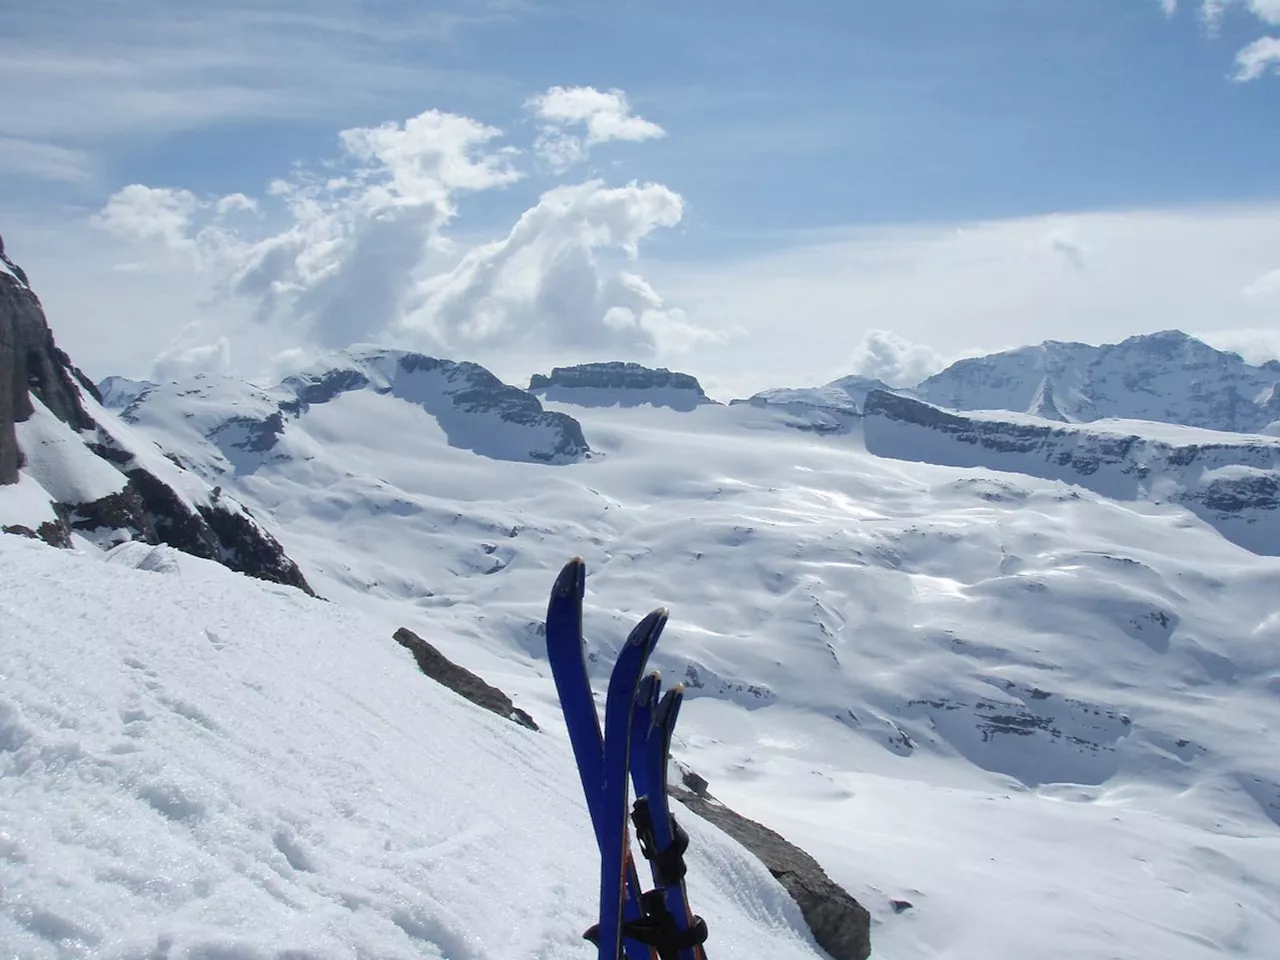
x: 648, y: 691
x: 572, y: 579
x: 647, y: 631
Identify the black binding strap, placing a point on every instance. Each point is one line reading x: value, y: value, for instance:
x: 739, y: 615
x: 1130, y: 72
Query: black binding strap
x: 657, y: 929
x: 668, y: 863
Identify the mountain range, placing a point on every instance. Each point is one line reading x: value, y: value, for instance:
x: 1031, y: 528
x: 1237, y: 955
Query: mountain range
x: 1001, y: 650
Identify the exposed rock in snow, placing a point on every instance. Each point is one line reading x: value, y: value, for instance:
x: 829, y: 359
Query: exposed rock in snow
x: 461, y: 680
x: 840, y: 924
x: 617, y: 384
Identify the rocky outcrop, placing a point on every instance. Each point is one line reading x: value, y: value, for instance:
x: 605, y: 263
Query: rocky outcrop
x: 99, y: 482
x: 1167, y: 377
x: 617, y: 384
x: 460, y: 680
x: 840, y: 925
x: 1231, y: 482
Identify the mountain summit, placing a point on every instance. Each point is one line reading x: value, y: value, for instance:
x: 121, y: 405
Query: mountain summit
x: 1168, y: 377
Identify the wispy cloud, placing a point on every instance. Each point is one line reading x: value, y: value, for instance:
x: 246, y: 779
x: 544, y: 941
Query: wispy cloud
x: 44, y: 161
x: 1257, y: 58
x: 575, y: 119
x: 114, y: 70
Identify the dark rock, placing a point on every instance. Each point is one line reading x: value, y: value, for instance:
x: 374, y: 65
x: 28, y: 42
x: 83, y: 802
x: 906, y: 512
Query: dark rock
x: 696, y: 783
x: 900, y: 906
x: 840, y: 924
x: 53, y: 533
x: 460, y: 680
x: 617, y: 383
x: 321, y: 388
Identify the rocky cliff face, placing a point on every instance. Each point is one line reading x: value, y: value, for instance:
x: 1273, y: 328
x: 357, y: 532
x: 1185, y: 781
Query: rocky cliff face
x: 617, y: 384
x: 1231, y: 482
x: 68, y: 466
x: 1167, y: 377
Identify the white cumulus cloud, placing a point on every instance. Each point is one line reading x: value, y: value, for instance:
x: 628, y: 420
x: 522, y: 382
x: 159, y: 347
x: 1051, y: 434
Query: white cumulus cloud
x: 897, y: 361
x: 546, y: 278
x: 574, y: 119
x: 355, y: 250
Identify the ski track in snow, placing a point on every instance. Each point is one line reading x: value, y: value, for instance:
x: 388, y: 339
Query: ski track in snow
x: 1044, y: 718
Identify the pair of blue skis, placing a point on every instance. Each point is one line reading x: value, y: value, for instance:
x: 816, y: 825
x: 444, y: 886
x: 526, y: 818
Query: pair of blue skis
x: 635, y: 741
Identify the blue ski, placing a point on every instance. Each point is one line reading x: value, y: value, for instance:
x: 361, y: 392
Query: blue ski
x: 662, y: 840
x: 568, y: 667
x: 615, y: 846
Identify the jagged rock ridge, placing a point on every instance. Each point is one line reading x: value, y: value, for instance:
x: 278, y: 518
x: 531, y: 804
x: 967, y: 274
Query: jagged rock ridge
x: 620, y: 384
x: 68, y: 463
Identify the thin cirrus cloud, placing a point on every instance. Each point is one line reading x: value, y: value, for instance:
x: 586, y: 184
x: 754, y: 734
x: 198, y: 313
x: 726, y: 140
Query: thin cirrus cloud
x: 44, y: 161
x: 575, y: 119
x: 360, y: 252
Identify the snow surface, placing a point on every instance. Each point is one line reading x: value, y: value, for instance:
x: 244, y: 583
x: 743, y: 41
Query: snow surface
x: 59, y: 461
x: 194, y: 764
x: 1046, y: 718
x: 25, y: 504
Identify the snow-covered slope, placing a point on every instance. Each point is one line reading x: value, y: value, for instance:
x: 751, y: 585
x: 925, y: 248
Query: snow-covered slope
x: 831, y: 408
x: 1040, y: 714
x: 619, y: 384
x: 219, y: 424
x: 1231, y: 481
x: 1168, y: 377
x: 197, y: 765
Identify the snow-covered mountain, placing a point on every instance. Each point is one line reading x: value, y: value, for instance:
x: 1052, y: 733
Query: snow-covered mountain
x: 216, y: 424
x: 831, y: 408
x: 944, y: 683
x: 1017, y: 704
x: 70, y: 469
x: 1168, y: 377
x: 1229, y: 480
x: 118, y: 392
x: 619, y: 384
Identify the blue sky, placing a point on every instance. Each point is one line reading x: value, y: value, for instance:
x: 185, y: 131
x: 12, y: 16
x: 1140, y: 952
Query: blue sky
x: 795, y: 137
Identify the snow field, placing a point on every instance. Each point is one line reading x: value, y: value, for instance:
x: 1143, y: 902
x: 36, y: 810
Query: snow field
x: 196, y: 764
